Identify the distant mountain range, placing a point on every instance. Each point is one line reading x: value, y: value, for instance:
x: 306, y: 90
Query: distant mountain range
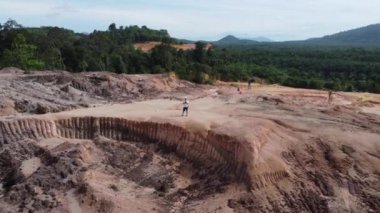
x: 262, y: 39
x: 232, y: 40
x: 368, y: 36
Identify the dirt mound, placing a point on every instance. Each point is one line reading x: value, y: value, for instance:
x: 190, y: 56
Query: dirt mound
x: 11, y: 70
x: 48, y: 92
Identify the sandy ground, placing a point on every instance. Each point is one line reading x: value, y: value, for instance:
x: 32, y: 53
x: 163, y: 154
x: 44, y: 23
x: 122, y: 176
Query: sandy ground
x: 271, y: 120
x: 301, y: 152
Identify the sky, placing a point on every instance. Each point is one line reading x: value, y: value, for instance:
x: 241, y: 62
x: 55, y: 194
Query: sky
x: 278, y: 20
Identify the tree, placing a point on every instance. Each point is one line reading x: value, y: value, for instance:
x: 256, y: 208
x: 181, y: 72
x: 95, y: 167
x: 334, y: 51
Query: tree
x: 83, y: 66
x: 10, y: 24
x: 53, y: 59
x: 112, y: 27
x: 22, y: 55
x: 118, y: 64
x: 163, y: 55
x: 315, y: 84
x: 167, y: 40
x: 199, y: 52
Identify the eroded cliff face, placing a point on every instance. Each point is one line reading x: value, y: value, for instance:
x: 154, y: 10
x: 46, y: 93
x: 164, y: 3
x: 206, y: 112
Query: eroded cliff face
x: 282, y: 151
x: 218, y: 159
x: 318, y: 176
x: 205, y: 149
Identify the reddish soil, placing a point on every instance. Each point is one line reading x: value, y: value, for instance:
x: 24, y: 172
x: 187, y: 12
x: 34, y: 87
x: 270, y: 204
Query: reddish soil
x: 148, y: 46
x: 124, y: 147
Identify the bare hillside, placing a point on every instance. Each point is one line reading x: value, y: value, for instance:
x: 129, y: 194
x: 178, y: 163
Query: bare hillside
x: 45, y: 91
x: 124, y: 147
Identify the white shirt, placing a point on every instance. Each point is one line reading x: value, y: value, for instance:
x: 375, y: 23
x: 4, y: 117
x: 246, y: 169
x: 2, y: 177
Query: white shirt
x: 186, y: 103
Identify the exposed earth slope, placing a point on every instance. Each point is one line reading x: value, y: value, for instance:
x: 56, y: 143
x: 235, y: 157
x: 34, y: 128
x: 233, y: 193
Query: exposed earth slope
x: 148, y: 46
x: 269, y: 149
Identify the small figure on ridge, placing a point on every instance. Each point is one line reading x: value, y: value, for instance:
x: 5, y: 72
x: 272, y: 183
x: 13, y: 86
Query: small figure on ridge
x: 330, y: 98
x: 185, y: 107
x: 250, y: 81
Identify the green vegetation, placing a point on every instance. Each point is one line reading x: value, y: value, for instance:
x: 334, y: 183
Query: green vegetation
x: 22, y: 54
x: 343, y: 68
x: 348, y: 69
x: 233, y: 41
x: 368, y: 36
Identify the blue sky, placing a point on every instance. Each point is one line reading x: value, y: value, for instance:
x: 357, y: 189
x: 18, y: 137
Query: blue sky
x: 201, y: 19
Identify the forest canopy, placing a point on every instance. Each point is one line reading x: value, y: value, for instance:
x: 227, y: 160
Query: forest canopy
x: 54, y: 48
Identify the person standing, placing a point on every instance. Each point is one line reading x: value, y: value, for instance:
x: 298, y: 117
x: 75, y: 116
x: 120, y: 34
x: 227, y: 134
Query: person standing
x: 185, y: 107
x: 250, y: 81
x: 329, y: 97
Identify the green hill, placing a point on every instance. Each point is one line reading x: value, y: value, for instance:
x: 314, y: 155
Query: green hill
x: 368, y: 36
x: 231, y: 40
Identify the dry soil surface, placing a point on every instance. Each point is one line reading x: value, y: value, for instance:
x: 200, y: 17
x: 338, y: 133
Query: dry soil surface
x: 268, y: 149
x: 148, y: 46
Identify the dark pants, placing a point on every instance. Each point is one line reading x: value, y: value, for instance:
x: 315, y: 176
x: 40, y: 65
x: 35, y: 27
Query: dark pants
x: 185, y: 109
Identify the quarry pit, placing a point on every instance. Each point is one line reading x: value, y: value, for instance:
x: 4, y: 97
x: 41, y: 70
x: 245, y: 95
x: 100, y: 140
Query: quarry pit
x: 108, y: 143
